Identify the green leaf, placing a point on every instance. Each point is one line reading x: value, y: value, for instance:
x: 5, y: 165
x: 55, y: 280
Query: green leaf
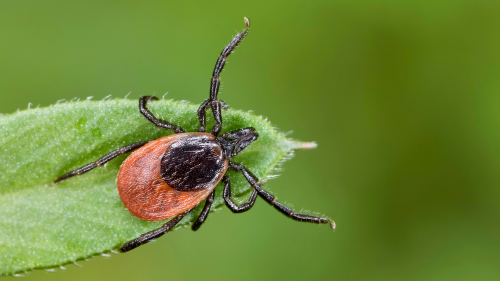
x: 44, y: 225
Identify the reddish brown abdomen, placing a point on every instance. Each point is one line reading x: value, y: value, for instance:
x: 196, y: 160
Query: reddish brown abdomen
x: 144, y: 192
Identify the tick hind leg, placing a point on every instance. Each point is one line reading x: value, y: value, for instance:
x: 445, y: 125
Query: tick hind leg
x: 103, y: 160
x: 213, y: 102
x: 152, y: 235
x: 254, y: 182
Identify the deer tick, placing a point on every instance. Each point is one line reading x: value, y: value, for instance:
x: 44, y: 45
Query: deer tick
x: 170, y: 176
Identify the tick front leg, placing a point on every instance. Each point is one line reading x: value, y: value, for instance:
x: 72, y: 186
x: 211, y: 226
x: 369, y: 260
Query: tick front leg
x: 202, y: 115
x: 217, y: 116
x: 204, y: 213
x: 213, y: 101
x: 148, y: 237
x: 103, y: 160
x: 233, y: 206
x: 254, y: 182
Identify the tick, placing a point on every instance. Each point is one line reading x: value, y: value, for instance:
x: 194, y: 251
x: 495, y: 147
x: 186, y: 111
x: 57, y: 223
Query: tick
x: 168, y: 177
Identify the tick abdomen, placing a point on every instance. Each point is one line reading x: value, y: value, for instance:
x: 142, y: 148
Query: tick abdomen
x: 146, y: 193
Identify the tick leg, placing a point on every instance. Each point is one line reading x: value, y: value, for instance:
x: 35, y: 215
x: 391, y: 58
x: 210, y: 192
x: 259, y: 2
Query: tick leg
x: 201, y: 115
x: 213, y: 102
x: 233, y: 206
x: 103, y: 160
x: 204, y: 214
x: 158, y: 122
x: 254, y: 182
x: 149, y: 236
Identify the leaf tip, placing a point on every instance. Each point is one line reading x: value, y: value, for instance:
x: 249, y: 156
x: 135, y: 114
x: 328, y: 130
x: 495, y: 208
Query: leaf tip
x: 304, y: 145
x: 332, y: 225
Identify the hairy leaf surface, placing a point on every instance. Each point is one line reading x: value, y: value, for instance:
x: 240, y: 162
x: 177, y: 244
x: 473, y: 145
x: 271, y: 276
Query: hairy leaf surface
x: 44, y: 225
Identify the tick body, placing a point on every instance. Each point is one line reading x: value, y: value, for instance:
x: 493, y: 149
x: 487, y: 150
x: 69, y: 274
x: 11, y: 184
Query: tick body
x: 171, y: 175
x: 168, y: 177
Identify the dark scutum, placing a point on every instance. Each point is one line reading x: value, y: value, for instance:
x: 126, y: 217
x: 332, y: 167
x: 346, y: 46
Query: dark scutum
x: 193, y: 163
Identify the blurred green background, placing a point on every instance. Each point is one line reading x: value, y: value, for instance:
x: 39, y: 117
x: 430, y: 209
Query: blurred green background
x: 402, y: 97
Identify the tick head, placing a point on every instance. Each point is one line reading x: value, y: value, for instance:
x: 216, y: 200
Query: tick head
x: 235, y: 141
